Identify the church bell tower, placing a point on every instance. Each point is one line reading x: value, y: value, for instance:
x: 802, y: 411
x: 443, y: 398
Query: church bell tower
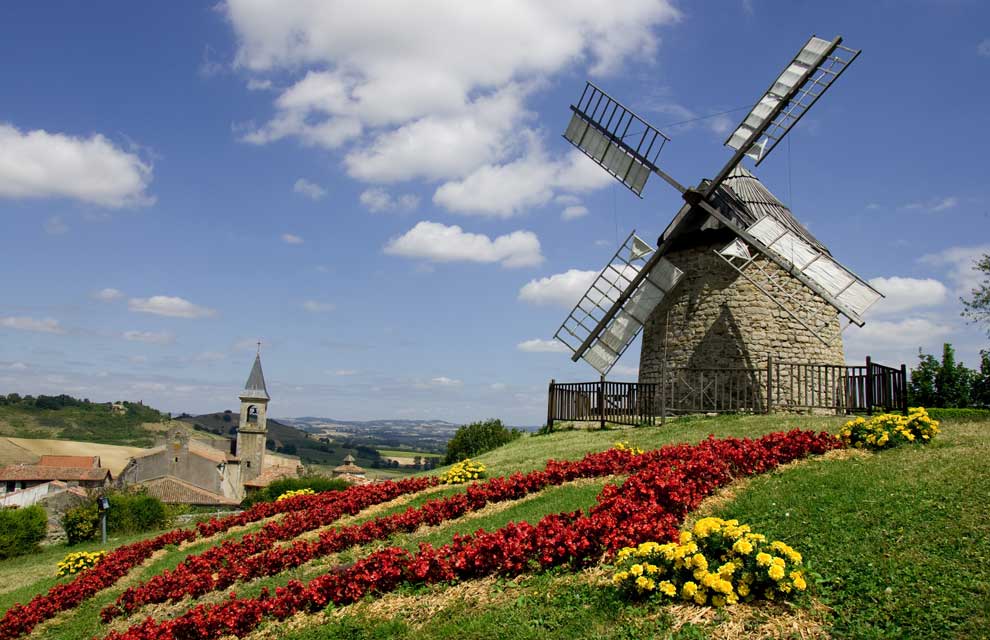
x: 252, y: 431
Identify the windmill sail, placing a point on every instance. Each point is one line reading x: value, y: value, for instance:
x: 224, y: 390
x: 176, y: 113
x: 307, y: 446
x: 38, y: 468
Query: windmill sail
x: 615, y: 307
x: 803, y: 81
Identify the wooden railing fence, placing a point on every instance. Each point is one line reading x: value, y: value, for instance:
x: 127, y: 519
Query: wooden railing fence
x: 779, y: 386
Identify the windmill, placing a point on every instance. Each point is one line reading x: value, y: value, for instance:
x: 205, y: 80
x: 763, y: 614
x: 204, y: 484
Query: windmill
x: 730, y: 238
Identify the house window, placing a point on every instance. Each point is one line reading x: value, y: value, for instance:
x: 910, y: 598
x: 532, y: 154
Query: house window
x: 252, y: 414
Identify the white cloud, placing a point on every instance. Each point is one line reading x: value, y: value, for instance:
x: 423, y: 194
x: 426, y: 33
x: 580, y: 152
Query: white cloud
x: 17, y: 366
x: 291, y: 238
x: 530, y: 181
x: 444, y: 381
x: 309, y: 189
x: 422, y: 105
x: 56, y: 226
x: 345, y: 372
x: 573, y: 212
x: 170, y: 306
x: 108, y: 295
x: 960, y: 263
x: 39, y: 164
x: 904, y: 294
x: 561, y: 289
x: 37, y: 325
x: 441, y: 243
x: 983, y: 48
x: 314, y: 306
x: 895, y: 341
x: 151, y: 337
x: 537, y: 345
x: 378, y: 200
x: 934, y: 205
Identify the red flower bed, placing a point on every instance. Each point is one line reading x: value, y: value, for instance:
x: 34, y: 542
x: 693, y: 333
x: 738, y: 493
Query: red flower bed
x: 663, y: 487
x: 21, y: 619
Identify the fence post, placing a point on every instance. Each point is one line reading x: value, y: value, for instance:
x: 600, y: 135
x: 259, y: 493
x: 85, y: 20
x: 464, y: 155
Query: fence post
x: 601, y: 401
x: 769, y: 383
x: 904, y: 389
x: 550, y: 407
x: 869, y: 386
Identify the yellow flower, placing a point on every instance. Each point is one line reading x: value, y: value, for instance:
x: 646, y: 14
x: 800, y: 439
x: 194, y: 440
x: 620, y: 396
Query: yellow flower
x: 699, y: 598
x: 776, y: 572
x: 667, y: 588
x: 688, y: 590
x: 763, y: 559
x: 636, y: 570
x: 799, y: 582
x: 644, y: 583
x: 742, y: 546
x: 685, y: 537
x: 699, y: 561
x: 718, y: 601
x: 743, y: 589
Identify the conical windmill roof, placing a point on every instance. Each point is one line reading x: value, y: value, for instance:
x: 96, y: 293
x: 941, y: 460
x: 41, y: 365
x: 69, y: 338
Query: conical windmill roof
x: 759, y: 202
x: 255, y: 387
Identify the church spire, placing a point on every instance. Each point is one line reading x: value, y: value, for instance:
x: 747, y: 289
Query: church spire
x: 255, y: 387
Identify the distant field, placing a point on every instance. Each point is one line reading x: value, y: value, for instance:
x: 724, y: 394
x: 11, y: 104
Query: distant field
x: 405, y: 453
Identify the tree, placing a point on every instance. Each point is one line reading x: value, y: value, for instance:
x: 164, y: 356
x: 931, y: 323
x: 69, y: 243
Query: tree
x: 478, y: 437
x: 977, y: 307
x: 953, y: 381
x: 980, y: 393
x: 922, y: 386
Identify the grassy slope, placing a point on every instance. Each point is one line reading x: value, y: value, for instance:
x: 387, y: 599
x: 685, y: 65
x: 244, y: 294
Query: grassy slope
x: 888, y: 509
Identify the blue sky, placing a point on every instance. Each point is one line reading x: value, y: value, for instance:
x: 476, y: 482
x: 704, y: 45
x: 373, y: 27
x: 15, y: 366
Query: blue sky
x: 381, y: 194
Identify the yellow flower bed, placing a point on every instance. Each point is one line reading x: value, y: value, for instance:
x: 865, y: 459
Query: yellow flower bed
x: 295, y: 492
x: 624, y: 446
x: 79, y: 561
x: 720, y: 562
x: 889, y: 430
x: 463, y: 471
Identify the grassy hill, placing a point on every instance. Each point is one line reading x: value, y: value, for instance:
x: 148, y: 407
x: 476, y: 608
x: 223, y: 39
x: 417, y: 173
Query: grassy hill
x: 65, y: 418
x: 897, y: 544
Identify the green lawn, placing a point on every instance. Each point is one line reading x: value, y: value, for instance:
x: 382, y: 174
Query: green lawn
x: 898, y: 542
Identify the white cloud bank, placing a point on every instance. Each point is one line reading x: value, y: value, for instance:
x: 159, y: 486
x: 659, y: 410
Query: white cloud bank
x: 435, y: 90
x: 441, y: 243
x: 169, y: 306
x: 108, y: 295
x: 39, y: 164
x: 291, y: 238
x: 36, y: 325
x: 378, y: 200
x: 960, y: 262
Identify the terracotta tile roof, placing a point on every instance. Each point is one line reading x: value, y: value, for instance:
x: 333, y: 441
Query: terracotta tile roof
x: 353, y: 479
x: 33, y: 472
x: 89, y: 462
x: 172, y: 490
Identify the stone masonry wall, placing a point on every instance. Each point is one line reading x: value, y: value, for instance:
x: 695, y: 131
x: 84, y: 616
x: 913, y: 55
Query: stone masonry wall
x: 720, y: 320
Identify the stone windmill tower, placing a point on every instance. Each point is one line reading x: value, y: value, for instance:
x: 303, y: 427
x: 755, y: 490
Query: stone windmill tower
x: 734, y: 277
x: 718, y: 318
x: 252, y: 432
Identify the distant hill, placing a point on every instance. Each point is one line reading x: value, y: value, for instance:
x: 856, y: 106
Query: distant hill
x: 66, y: 418
x: 312, y: 448
x: 420, y: 435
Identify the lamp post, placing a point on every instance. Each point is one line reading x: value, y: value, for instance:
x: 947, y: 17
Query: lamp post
x: 103, y: 505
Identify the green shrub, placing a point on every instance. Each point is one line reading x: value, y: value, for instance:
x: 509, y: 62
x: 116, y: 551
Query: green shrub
x: 129, y: 513
x: 479, y: 437
x: 21, y: 530
x: 81, y: 523
x: 317, y: 483
x: 966, y: 415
